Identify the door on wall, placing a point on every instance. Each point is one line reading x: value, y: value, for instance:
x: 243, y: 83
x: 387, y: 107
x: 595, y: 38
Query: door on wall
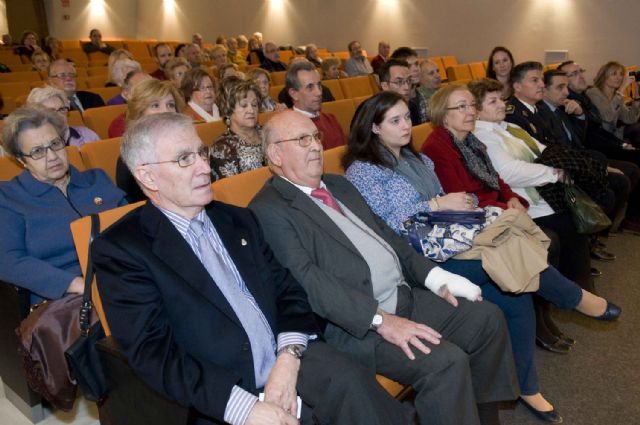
x: 25, y: 15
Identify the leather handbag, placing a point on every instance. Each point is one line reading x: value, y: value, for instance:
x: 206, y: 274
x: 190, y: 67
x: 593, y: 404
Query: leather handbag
x: 586, y: 213
x: 82, y: 356
x: 459, y: 217
x: 44, y: 336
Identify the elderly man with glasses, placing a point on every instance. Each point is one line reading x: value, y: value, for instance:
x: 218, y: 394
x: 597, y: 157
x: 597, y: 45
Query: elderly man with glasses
x: 62, y: 75
x: 204, y: 313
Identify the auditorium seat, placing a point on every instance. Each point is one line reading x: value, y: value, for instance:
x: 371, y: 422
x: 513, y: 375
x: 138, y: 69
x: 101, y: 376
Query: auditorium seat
x: 356, y: 86
x: 334, y: 86
x: 97, y: 70
x: 274, y: 91
x: 343, y: 110
x: 459, y: 72
x: 210, y: 131
x: 98, y: 59
x: 477, y: 70
x: 332, y: 161
x: 14, y: 89
x: 286, y: 56
x: 106, y: 93
x: 419, y: 135
x: 277, y: 78
x: 99, y: 119
x: 24, y: 76
x: 96, y: 81
x: 138, y: 49
x: 263, y: 117
x: 76, y: 56
x: 74, y: 118
x: 240, y: 189
x: 102, y: 154
x: 448, y: 61
x: 358, y: 100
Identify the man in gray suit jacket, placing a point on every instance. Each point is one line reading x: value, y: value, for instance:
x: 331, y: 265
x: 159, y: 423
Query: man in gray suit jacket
x: 369, y: 286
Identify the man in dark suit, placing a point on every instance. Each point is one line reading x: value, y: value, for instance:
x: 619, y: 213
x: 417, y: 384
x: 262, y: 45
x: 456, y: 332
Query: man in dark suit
x: 204, y: 312
x: 62, y: 75
x: 370, y: 286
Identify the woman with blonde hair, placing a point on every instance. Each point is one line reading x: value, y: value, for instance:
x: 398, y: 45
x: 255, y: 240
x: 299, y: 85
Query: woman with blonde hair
x: 148, y: 97
x: 607, y: 94
x: 116, y: 55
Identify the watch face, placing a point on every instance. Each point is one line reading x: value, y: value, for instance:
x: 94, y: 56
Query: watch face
x: 377, y: 320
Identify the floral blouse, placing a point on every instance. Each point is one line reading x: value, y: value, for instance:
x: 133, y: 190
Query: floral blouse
x: 231, y: 155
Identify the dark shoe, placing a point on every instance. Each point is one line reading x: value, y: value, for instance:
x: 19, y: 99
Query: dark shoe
x: 601, y: 254
x: 562, y: 338
x: 551, y: 416
x: 553, y: 346
x: 595, y: 272
x: 610, y: 314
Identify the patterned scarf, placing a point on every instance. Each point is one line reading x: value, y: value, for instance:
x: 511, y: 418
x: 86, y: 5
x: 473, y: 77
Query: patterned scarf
x: 476, y: 160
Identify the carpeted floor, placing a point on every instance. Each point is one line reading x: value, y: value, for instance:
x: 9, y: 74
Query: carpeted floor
x: 598, y: 382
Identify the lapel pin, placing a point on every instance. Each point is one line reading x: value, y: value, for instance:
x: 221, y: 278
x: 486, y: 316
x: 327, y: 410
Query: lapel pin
x: 243, y: 242
x: 97, y: 200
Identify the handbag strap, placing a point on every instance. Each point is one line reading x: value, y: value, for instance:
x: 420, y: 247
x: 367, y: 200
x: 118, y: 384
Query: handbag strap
x: 85, y: 310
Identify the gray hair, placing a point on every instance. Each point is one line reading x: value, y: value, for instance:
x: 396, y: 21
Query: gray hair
x: 28, y: 118
x: 39, y: 95
x: 139, y: 141
x: 60, y: 62
x: 121, y: 68
x: 291, y: 80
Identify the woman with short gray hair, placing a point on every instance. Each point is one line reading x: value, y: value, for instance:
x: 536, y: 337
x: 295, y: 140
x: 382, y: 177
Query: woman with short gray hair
x: 36, y: 249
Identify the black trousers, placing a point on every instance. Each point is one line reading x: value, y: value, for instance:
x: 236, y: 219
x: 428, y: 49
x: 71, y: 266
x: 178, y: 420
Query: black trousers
x: 569, y: 251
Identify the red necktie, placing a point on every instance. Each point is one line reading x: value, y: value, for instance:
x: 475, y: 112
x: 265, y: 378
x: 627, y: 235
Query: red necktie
x: 326, y: 198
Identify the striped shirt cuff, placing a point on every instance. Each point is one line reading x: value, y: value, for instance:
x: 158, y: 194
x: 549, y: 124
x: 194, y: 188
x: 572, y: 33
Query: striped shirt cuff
x: 239, y: 406
x: 290, y: 338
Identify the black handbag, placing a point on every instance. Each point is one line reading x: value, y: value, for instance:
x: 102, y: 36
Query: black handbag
x: 586, y: 213
x: 458, y: 217
x: 82, y: 357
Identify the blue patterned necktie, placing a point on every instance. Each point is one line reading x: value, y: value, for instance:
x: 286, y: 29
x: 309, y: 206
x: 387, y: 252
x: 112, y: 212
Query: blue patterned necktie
x: 242, y: 302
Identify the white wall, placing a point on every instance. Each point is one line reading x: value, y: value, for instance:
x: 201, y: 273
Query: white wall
x: 593, y: 31
x: 4, y: 26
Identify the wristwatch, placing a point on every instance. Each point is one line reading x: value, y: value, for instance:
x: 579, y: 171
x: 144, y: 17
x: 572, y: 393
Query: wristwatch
x: 296, y: 350
x: 376, y: 322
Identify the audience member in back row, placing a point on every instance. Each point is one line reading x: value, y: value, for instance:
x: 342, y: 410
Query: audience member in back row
x: 149, y: 97
x: 117, y: 126
x: 417, y: 103
x: 57, y: 101
x: 239, y: 149
x: 331, y: 69
x: 233, y: 54
x: 271, y: 61
x: 62, y: 75
x: 607, y: 94
x: 384, y: 49
x: 303, y: 85
x: 175, y: 69
x: 122, y: 68
x: 115, y: 79
x: 199, y: 89
x: 28, y: 45
x: 193, y: 54
x: 394, y: 76
x: 499, y: 67
x: 36, y: 207
x: 162, y: 53
x: 263, y: 81
x: 430, y: 80
x: 40, y: 61
x: 311, y: 53
x: 96, y: 44
x: 357, y: 64
x: 283, y: 96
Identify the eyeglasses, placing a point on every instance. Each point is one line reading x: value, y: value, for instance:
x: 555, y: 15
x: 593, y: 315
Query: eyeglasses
x: 40, y: 152
x: 63, y: 76
x: 400, y: 82
x: 305, y: 140
x: 576, y: 72
x: 187, y: 159
x: 463, y: 107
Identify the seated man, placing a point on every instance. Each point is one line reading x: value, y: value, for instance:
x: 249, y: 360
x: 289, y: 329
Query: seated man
x: 430, y: 80
x: 162, y: 53
x: 62, y: 75
x: 283, y: 96
x: 357, y: 64
x: 233, y: 54
x: 302, y: 83
x: 202, y: 310
x: 394, y: 76
x: 417, y: 103
x: 96, y: 44
x: 193, y: 54
x: 197, y: 38
x: 383, y: 55
x: 271, y: 61
x: 383, y: 303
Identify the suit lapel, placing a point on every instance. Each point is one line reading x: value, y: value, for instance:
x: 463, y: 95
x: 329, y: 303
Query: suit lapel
x: 301, y: 202
x: 175, y: 252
